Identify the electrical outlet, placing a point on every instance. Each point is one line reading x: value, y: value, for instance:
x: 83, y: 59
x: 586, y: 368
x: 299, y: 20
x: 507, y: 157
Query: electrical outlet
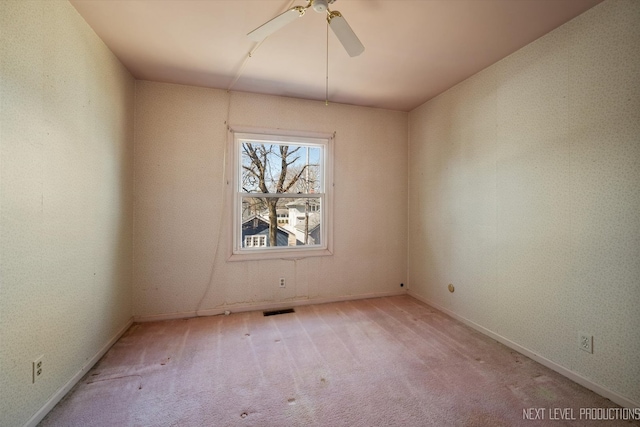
x: 37, y: 369
x: 586, y: 342
x: 282, y: 283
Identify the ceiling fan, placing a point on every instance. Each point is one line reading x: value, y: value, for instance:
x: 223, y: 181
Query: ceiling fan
x: 336, y: 21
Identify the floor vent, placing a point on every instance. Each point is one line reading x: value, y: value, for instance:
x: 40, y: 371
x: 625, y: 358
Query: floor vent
x: 274, y: 312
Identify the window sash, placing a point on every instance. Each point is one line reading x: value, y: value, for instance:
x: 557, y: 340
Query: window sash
x: 279, y: 220
x: 302, y: 142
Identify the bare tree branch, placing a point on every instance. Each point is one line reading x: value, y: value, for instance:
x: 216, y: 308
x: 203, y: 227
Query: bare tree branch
x: 260, y: 172
x: 295, y: 179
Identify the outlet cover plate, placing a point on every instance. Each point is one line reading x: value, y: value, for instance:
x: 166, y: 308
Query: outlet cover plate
x: 585, y: 342
x: 37, y: 369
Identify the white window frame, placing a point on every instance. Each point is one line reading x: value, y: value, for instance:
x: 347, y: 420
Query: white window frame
x: 236, y: 136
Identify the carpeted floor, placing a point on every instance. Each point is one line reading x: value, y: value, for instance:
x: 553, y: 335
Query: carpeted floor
x: 379, y: 362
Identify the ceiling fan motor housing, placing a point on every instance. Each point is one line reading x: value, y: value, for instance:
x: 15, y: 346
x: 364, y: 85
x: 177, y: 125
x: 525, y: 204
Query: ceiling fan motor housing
x: 321, y: 6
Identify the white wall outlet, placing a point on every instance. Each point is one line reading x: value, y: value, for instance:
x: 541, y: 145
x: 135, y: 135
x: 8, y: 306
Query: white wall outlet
x: 37, y: 369
x: 282, y: 283
x: 585, y: 342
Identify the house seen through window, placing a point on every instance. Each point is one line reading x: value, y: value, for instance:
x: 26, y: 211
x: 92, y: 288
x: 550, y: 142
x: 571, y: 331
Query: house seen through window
x: 280, y: 195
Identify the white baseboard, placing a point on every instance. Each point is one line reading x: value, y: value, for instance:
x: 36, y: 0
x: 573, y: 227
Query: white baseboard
x: 263, y: 306
x: 62, y: 391
x: 573, y: 376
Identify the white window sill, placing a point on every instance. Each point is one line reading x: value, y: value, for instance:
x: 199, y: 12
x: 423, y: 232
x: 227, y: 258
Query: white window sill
x: 256, y: 255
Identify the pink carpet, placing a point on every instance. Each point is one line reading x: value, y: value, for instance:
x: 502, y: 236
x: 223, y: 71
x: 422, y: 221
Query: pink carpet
x: 379, y: 362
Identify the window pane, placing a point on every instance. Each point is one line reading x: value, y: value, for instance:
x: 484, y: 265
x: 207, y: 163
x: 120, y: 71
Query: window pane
x: 294, y: 221
x: 280, y: 168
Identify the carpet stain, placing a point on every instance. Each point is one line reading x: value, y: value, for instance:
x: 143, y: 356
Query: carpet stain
x: 291, y: 401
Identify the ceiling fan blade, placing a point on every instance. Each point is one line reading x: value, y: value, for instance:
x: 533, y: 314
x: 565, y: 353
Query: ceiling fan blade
x: 345, y: 34
x: 270, y: 27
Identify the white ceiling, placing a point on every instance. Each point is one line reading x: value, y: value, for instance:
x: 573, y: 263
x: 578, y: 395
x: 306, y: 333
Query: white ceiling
x: 414, y: 49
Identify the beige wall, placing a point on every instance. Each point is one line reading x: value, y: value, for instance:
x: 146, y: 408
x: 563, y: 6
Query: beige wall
x: 66, y: 153
x: 524, y: 194
x: 180, y: 141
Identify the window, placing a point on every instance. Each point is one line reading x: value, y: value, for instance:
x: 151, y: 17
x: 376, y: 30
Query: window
x: 283, y: 218
x: 281, y: 203
x: 255, y: 241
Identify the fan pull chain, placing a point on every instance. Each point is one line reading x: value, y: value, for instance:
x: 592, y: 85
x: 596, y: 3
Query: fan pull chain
x: 326, y: 93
